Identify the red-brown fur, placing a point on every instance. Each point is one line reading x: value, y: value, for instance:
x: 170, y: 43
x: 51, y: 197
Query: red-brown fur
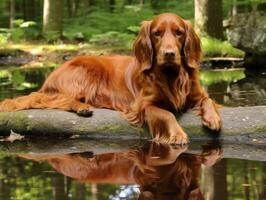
x: 163, y: 76
x: 161, y: 170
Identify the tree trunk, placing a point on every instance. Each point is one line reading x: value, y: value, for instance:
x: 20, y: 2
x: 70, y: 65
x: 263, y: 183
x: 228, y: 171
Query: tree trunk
x: 154, y: 4
x: 52, y: 18
x: 214, y: 181
x: 94, y: 191
x: 111, y: 5
x: 91, y: 2
x: 29, y: 10
x: 72, y: 7
x: 11, y: 13
x: 209, y: 18
x: 58, y: 183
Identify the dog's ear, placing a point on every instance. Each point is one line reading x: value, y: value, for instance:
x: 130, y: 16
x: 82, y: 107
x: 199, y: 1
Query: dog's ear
x: 191, y: 48
x: 143, y: 47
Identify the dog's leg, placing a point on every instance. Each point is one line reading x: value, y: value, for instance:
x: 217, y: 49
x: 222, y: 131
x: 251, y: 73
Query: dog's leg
x: 39, y: 100
x: 163, y: 126
x: 198, y: 98
x: 209, y: 114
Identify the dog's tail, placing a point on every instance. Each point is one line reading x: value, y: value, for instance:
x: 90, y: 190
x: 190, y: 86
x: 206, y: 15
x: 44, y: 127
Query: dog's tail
x: 40, y: 100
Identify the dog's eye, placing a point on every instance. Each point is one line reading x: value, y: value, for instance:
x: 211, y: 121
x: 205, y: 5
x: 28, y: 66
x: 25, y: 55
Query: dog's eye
x: 178, y: 32
x: 157, y: 33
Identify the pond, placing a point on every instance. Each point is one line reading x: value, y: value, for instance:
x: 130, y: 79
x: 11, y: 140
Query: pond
x: 31, y: 170
x: 72, y: 169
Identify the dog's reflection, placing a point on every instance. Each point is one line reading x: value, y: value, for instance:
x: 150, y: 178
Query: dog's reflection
x: 162, y: 171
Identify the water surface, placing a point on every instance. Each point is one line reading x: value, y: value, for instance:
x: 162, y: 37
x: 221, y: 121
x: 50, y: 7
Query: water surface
x: 150, y: 171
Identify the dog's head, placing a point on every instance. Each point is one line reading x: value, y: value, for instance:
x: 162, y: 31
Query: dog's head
x: 167, y: 40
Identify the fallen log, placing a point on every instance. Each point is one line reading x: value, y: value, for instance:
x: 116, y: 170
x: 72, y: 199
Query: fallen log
x: 240, y: 124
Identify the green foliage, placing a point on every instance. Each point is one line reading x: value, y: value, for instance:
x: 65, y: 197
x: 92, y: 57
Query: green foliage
x: 24, y: 30
x: 4, y: 74
x: 113, y: 38
x: 214, y: 47
x: 51, y: 36
x: 4, y: 35
x: 134, y: 29
x: 20, y: 83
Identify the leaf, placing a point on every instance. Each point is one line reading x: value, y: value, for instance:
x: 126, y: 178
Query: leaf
x: 12, y: 137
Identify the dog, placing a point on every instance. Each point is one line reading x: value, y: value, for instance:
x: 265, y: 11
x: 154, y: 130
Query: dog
x: 162, y: 77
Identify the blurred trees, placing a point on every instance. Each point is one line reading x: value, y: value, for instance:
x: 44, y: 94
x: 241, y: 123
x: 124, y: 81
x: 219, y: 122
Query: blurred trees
x: 209, y: 18
x: 81, y: 16
x: 11, y: 13
x: 52, y: 19
x: 29, y: 10
x: 72, y: 7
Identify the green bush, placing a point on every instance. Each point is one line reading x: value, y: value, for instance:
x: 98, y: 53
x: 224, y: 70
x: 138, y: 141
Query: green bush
x: 113, y: 39
x: 214, y: 47
x: 4, y: 36
x: 24, y: 30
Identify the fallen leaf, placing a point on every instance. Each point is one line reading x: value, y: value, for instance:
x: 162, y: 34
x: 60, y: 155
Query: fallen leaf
x: 12, y: 137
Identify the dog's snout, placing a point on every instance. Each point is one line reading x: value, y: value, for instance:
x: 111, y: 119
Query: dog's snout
x: 169, y: 54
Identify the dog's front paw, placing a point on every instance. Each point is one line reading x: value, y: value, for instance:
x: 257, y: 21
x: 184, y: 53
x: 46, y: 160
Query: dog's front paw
x: 180, y: 139
x: 174, y: 139
x: 85, y: 113
x: 212, y: 121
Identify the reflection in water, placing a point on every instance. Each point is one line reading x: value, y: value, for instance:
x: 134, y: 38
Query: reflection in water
x: 153, y: 171
x: 236, y: 87
x: 161, y: 171
x: 16, y: 81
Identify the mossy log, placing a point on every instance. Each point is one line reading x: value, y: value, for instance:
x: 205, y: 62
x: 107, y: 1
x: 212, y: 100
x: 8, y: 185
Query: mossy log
x: 240, y: 124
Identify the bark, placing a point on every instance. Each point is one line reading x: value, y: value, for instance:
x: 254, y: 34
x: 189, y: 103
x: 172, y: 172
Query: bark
x: 214, y: 181
x: 112, y: 5
x: 72, y: 8
x: 240, y: 124
x: 29, y: 10
x: 209, y: 18
x: 52, y: 18
x: 11, y: 13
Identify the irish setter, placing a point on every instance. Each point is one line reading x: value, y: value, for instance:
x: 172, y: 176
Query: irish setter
x: 162, y: 77
x: 162, y: 171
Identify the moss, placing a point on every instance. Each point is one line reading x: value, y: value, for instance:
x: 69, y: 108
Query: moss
x: 214, y: 47
x: 19, y: 120
x: 110, y: 128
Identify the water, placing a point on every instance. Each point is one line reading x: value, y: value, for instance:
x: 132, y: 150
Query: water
x: 151, y: 169
x: 61, y: 170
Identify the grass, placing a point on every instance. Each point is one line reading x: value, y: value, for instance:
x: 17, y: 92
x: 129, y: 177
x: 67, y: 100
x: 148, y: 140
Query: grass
x: 112, y: 42
x: 213, y: 48
x: 102, y: 32
x: 100, y: 21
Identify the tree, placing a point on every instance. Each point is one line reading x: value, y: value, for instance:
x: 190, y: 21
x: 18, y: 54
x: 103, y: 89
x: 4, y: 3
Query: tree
x: 209, y: 18
x: 111, y: 5
x: 154, y: 4
x: 29, y: 10
x: 11, y: 13
x: 72, y: 7
x: 52, y: 19
x: 214, y: 181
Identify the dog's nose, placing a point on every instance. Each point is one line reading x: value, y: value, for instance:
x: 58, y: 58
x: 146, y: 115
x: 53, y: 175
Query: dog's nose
x: 169, y: 54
